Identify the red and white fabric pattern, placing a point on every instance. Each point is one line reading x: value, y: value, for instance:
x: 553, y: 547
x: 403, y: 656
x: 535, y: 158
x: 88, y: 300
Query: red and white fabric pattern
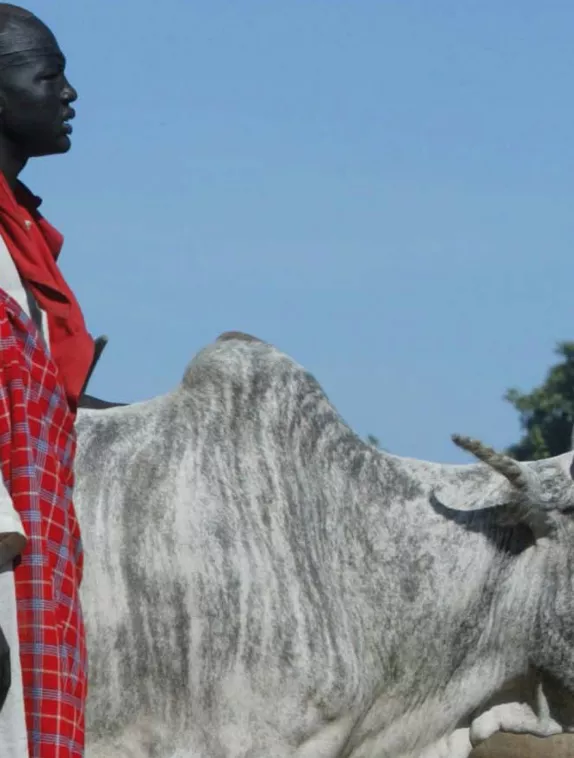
x: 37, y: 446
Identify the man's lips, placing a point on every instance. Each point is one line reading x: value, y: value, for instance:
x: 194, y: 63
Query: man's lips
x: 68, y: 116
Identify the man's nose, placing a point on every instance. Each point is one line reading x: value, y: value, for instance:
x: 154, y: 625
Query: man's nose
x: 69, y: 94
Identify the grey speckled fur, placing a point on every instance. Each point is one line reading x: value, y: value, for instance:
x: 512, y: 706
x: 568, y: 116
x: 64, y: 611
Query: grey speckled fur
x: 260, y: 583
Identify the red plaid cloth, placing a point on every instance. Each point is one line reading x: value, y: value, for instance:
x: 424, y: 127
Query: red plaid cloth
x: 37, y: 446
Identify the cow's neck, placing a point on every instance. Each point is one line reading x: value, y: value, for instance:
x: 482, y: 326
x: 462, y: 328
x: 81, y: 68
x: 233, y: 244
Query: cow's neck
x: 388, y: 529
x: 445, y: 601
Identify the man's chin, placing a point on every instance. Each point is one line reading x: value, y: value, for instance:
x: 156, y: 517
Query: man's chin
x: 63, y: 144
x: 60, y: 146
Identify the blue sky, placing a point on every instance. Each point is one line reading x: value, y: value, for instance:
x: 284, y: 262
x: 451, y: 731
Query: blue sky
x: 381, y: 188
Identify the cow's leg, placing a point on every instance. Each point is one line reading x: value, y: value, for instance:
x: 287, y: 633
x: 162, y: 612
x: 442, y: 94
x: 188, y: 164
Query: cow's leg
x: 515, y: 718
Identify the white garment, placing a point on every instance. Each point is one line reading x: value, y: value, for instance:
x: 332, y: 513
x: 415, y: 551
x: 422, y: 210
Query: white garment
x: 13, y: 734
x: 12, y: 535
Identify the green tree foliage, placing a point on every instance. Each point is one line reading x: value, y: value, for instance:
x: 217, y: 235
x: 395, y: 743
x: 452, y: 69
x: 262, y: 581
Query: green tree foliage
x: 547, y: 413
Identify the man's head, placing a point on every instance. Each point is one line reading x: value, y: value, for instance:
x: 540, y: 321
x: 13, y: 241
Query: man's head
x: 35, y: 95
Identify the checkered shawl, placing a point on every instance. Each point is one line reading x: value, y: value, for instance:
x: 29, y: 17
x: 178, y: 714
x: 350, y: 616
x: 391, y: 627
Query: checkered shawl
x: 37, y: 446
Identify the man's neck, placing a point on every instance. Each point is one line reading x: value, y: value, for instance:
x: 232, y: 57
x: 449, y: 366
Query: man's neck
x: 11, y: 163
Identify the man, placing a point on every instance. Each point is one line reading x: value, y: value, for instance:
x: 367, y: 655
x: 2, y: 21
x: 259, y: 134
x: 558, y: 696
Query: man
x: 45, y: 359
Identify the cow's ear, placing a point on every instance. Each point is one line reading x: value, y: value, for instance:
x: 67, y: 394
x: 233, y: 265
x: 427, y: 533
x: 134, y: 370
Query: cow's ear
x: 507, y: 507
x: 542, y: 523
x: 496, y: 508
x: 536, y: 494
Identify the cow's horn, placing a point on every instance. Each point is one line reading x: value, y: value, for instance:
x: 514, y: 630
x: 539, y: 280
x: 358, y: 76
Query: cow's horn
x: 508, y: 467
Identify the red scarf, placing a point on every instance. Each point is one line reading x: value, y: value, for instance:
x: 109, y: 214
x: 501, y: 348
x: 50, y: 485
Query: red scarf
x: 35, y: 246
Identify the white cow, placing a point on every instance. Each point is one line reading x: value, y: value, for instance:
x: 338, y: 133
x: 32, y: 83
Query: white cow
x: 260, y: 582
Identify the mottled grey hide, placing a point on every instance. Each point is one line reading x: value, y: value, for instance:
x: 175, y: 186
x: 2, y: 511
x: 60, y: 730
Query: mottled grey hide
x: 261, y: 583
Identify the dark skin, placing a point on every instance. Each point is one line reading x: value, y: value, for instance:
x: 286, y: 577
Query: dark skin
x: 35, y: 94
x: 35, y: 107
x: 35, y: 99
